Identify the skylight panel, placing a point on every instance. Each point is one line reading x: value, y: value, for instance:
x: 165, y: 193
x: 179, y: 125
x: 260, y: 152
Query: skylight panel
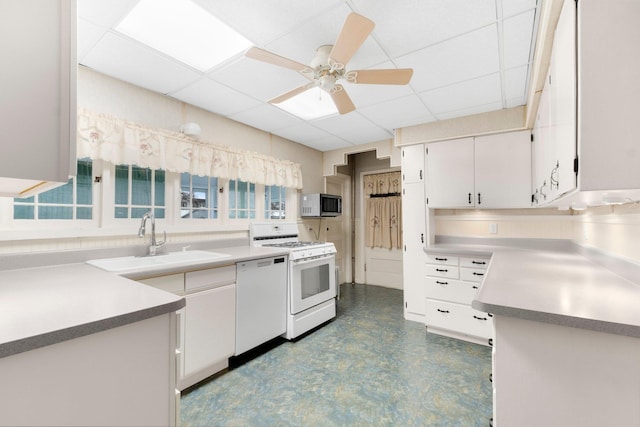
x: 184, y: 31
x: 310, y: 104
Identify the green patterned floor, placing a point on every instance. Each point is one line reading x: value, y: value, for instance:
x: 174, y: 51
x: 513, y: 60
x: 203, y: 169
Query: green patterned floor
x: 368, y: 367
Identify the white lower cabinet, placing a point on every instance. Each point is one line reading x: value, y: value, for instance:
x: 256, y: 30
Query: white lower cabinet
x: 208, y: 334
x: 451, y: 284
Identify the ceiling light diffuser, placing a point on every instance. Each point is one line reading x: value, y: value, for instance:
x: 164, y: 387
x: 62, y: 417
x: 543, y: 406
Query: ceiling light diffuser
x: 311, y: 104
x: 184, y: 31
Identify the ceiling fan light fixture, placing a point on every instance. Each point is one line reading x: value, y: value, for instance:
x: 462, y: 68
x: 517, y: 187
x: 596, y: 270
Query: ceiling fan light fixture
x: 311, y: 104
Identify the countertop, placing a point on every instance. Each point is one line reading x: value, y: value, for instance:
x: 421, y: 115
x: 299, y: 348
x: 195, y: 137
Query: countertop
x: 555, y: 282
x: 41, y: 306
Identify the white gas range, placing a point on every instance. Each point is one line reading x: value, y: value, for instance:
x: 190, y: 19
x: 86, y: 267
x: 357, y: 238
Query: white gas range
x: 312, y: 281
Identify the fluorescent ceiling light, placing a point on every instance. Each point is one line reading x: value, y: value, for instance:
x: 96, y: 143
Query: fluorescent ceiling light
x: 310, y: 104
x: 184, y: 31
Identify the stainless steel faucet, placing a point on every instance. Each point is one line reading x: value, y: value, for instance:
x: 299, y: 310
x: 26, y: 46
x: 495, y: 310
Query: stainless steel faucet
x: 141, y: 232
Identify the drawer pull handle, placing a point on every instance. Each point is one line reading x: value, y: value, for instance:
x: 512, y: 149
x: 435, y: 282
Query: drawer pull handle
x: 490, y: 342
x: 478, y: 262
x: 489, y: 314
x: 478, y: 274
x: 440, y: 270
x: 441, y: 259
x: 441, y: 283
x: 443, y: 311
x: 479, y: 318
x: 474, y: 287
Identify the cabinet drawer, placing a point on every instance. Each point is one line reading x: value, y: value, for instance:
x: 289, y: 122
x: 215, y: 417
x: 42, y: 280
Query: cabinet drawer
x: 442, y: 259
x: 211, y: 278
x: 442, y: 271
x: 450, y: 290
x: 472, y: 274
x: 458, y: 318
x: 173, y: 283
x: 476, y: 262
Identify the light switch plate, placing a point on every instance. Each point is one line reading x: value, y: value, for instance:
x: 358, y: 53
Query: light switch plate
x: 493, y: 228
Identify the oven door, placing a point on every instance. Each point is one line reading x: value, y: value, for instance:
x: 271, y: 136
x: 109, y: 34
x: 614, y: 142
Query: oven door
x: 313, y: 281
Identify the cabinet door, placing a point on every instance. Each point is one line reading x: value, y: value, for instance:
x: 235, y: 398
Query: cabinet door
x: 413, y: 163
x: 450, y: 174
x: 414, y: 239
x: 38, y: 85
x: 503, y: 170
x: 209, y: 328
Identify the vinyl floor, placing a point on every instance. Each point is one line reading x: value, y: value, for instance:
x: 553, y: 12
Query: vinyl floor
x: 367, y: 367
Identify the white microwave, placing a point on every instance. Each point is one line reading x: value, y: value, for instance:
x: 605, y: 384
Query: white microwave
x: 318, y: 205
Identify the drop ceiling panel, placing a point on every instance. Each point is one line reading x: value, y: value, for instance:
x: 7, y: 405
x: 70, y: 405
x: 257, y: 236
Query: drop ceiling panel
x: 347, y: 124
x: 213, y: 96
x: 512, y: 7
x: 397, y: 113
x: 258, y: 79
x: 88, y: 35
x: 129, y: 61
x: 264, y: 21
x: 105, y: 13
x: 328, y: 143
x: 462, y: 58
x: 266, y: 117
x: 515, y: 83
x: 303, y: 133
x: 465, y: 95
x: 405, y: 26
x: 470, y: 111
x: 517, y: 39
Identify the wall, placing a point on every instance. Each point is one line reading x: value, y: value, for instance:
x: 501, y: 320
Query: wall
x: 612, y: 229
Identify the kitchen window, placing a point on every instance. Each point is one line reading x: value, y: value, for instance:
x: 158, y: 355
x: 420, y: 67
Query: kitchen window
x: 138, y: 190
x: 198, y: 197
x: 275, y: 197
x: 73, y: 200
x: 242, y: 200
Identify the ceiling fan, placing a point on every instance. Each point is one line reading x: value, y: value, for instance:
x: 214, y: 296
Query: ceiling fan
x: 329, y: 65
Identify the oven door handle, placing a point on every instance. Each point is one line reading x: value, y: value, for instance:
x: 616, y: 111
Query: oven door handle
x: 304, y: 261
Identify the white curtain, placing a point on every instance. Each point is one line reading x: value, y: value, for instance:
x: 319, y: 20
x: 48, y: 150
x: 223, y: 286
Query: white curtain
x: 118, y: 141
x: 382, y: 183
x: 383, y: 210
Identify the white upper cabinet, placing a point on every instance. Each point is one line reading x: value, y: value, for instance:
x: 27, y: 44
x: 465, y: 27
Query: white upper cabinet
x: 492, y: 171
x: 412, y: 163
x: 38, y: 102
x: 588, y: 111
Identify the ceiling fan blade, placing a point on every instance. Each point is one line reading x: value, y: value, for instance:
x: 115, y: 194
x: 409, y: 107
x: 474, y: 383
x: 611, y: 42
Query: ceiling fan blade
x: 342, y: 100
x: 354, y: 32
x: 272, y: 58
x: 382, y: 77
x: 292, y: 93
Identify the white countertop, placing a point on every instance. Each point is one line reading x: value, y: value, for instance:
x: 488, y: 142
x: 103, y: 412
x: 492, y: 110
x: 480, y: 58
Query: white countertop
x: 45, y: 305
x: 554, y: 285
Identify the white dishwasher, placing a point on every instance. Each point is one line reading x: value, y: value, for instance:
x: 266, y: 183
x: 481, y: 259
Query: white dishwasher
x: 261, y: 301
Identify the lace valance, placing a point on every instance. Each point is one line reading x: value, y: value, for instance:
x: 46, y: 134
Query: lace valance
x: 118, y: 141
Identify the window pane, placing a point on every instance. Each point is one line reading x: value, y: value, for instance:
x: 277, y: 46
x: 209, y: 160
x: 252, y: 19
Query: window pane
x: 121, y: 212
x: 23, y: 212
x: 138, y: 212
x: 232, y: 195
x: 158, y: 213
x: 140, y: 186
x: 83, y: 213
x: 159, y: 190
x: 55, y: 212
x: 83, y: 183
x: 31, y: 199
x: 252, y: 196
x: 62, y: 195
x: 122, y: 186
x: 214, y: 193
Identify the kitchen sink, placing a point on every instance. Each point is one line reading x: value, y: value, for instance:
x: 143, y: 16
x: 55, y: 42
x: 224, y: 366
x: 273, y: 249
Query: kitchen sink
x: 141, y: 263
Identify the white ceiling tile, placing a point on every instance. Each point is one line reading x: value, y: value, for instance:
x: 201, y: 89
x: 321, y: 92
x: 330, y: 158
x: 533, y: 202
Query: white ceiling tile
x: 471, y: 111
x: 328, y: 143
x: 88, y: 36
x: 129, y: 61
x: 302, y: 133
x: 258, y: 79
x: 105, y: 13
x: 263, y: 21
x: 464, y: 95
x: 512, y: 7
x: 517, y: 33
x: 397, y: 113
x: 371, y: 133
x: 343, y: 124
x: 266, y: 117
x: 516, y: 102
x: 515, y: 82
x: 462, y: 58
x: 213, y: 96
x: 405, y: 26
